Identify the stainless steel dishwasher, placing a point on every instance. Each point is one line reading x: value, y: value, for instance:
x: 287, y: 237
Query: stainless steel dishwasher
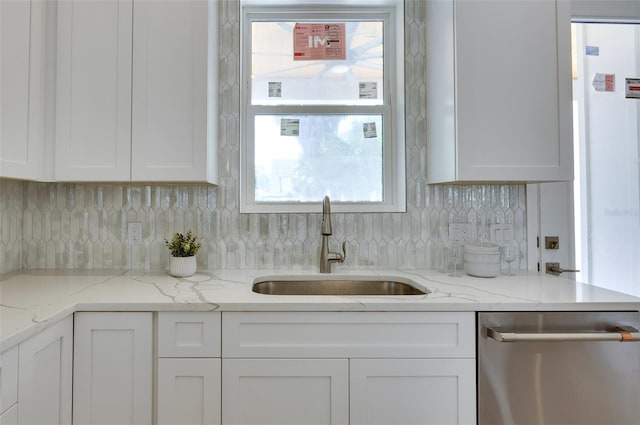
x: 559, y: 368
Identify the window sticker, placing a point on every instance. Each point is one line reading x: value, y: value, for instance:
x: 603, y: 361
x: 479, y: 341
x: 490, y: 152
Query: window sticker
x: 632, y: 88
x: 592, y: 50
x: 275, y: 89
x: 319, y: 41
x: 604, y: 82
x: 368, y: 90
x: 289, y: 127
x: 369, y: 130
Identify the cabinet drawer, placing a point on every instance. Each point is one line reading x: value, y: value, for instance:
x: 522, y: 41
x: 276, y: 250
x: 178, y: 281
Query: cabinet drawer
x: 188, y: 334
x: 8, y: 378
x: 348, y: 334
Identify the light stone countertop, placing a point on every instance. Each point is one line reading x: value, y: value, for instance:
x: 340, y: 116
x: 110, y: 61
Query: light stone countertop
x: 32, y: 300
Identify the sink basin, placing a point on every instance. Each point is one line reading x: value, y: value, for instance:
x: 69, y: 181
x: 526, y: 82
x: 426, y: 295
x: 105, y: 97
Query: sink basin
x: 341, y: 287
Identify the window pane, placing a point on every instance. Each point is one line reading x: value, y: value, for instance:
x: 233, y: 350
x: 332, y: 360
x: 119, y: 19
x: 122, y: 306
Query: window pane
x: 302, y: 158
x: 280, y: 79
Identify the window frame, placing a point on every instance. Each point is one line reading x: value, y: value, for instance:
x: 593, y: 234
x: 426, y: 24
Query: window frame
x: 391, y: 12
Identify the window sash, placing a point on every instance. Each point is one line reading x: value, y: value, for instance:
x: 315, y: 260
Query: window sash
x: 393, y: 127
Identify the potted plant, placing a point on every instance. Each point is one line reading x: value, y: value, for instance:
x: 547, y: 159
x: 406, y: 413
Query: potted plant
x: 183, y: 248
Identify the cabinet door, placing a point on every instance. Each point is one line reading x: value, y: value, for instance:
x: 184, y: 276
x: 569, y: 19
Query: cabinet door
x: 413, y: 391
x: 170, y: 65
x: 113, y: 378
x: 285, y: 392
x: 21, y: 71
x: 10, y: 416
x: 93, y: 111
x: 514, y: 90
x: 500, y: 103
x: 8, y: 379
x: 189, y: 391
x: 45, y: 376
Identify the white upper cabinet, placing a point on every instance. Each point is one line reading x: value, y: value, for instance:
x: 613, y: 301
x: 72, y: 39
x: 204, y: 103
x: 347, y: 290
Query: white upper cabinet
x: 136, y: 92
x: 170, y: 74
x: 499, y: 91
x: 21, y: 88
x: 93, y: 111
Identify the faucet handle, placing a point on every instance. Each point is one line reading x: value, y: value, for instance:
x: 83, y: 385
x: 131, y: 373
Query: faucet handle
x: 343, y: 256
x: 337, y: 257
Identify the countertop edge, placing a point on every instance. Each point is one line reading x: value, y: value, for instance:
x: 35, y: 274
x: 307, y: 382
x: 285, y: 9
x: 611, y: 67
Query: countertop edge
x: 33, y: 300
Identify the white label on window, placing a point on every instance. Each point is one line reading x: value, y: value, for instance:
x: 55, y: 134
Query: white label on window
x: 632, y: 88
x: 368, y: 90
x: 275, y: 89
x: 604, y: 82
x: 289, y: 127
x: 369, y: 130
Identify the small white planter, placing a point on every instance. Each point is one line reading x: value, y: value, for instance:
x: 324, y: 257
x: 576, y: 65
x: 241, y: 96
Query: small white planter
x: 182, y: 266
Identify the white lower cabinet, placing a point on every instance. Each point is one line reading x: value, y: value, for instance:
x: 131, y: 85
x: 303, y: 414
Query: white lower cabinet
x: 348, y: 368
x: 285, y: 391
x: 412, y: 391
x: 10, y: 416
x: 113, y: 368
x: 188, y: 391
x: 36, y: 376
x: 233, y: 368
x: 45, y: 376
x: 9, y: 387
x: 189, y: 371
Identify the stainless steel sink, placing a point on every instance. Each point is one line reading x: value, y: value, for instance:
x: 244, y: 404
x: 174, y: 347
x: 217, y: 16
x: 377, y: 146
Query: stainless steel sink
x: 343, y: 287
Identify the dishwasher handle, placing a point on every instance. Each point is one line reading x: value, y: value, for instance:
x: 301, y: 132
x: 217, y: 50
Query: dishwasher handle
x: 621, y: 334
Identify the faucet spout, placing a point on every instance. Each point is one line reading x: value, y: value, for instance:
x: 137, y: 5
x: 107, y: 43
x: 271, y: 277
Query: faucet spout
x: 327, y: 257
x: 326, y: 217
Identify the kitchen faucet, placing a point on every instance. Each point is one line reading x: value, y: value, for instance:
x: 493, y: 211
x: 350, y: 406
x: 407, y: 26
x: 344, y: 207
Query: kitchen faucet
x: 326, y: 257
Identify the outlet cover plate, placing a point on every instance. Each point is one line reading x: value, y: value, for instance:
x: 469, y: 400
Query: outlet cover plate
x: 500, y: 233
x: 135, y: 233
x: 462, y: 232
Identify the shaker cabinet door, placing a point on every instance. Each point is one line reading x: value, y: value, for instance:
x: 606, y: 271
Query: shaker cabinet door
x: 45, y: 376
x: 113, y: 375
x: 499, y: 81
x: 93, y: 109
x: 285, y: 391
x: 22, y: 73
x: 170, y: 91
x: 189, y: 391
x: 412, y: 391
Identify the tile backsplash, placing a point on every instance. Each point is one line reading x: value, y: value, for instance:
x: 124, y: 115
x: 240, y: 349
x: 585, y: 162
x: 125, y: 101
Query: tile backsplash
x: 84, y: 226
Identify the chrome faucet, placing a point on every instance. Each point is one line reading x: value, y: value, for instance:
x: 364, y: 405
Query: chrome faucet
x: 326, y: 257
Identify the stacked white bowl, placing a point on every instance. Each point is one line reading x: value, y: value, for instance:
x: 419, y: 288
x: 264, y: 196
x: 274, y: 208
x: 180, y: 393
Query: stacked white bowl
x: 482, y: 259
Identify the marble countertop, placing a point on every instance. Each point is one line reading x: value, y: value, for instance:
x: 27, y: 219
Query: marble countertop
x: 32, y: 300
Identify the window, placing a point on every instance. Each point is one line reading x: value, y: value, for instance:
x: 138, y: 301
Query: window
x: 322, y: 107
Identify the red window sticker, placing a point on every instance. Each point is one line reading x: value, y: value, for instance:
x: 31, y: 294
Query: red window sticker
x: 604, y: 82
x: 632, y: 90
x: 319, y: 41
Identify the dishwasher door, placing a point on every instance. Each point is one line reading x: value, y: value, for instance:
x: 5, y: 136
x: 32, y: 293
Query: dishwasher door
x: 559, y: 368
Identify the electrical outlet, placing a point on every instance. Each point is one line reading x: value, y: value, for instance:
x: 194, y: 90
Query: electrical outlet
x: 500, y: 233
x: 135, y: 233
x: 461, y: 232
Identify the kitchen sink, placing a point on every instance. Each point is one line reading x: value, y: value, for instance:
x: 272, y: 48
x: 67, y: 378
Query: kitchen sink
x: 340, y: 286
